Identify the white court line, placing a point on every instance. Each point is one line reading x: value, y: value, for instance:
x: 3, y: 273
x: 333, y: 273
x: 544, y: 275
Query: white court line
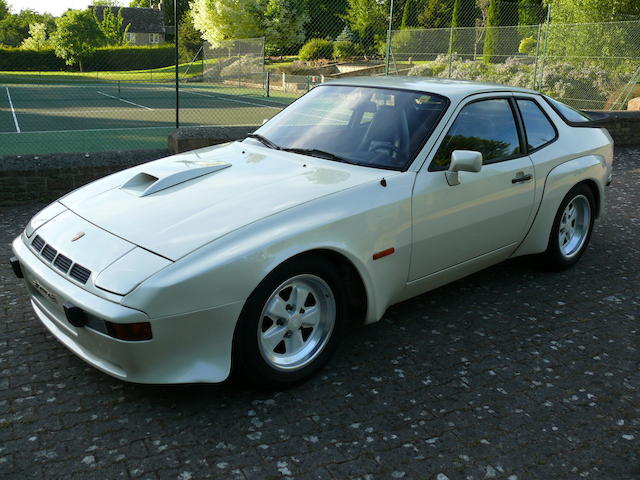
x: 233, y: 100
x: 123, y: 100
x: 122, y: 129
x: 13, y: 111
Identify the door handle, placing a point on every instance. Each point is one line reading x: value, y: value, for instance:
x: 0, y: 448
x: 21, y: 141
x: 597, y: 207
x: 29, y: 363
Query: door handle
x: 522, y: 178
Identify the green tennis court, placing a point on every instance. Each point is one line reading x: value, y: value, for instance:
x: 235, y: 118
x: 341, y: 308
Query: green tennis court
x: 92, y: 117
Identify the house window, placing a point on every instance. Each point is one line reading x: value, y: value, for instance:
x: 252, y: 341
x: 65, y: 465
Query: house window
x: 155, y: 38
x: 131, y: 37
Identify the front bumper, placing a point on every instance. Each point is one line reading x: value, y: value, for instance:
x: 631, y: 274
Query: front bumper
x: 189, y: 348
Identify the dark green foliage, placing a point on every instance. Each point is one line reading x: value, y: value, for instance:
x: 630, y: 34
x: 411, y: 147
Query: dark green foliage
x: 344, y: 50
x: 492, y: 35
x: 410, y: 13
x: 369, y: 20
x: 4, y: 9
x: 130, y: 58
x: 15, y: 59
x: 103, y: 59
x: 346, y: 35
x: 316, y: 49
x: 436, y: 14
x: 325, y: 18
x: 190, y: 40
x: 531, y: 12
x: 15, y: 28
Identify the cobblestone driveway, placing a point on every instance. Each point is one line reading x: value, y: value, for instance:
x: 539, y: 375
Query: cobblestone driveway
x: 510, y: 373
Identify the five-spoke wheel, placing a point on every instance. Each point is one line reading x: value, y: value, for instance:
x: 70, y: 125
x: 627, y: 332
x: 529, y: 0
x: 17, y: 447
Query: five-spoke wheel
x: 571, y: 228
x: 291, y: 323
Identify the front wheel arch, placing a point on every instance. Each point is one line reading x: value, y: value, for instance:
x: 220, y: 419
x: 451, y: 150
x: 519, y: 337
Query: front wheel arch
x: 350, y: 282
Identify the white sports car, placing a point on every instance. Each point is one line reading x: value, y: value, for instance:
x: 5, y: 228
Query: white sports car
x: 253, y: 255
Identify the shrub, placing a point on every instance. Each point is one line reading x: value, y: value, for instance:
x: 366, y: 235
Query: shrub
x: 424, y: 70
x: 16, y: 59
x: 130, y: 58
x: 103, y: 59
x: 316, y: 49
x: 527, y: 45
x: 344, y: 49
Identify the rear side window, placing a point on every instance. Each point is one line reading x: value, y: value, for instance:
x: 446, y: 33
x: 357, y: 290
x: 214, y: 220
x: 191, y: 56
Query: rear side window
x: 539, y: 129
x: 485, y: 126
x: 569, y: 114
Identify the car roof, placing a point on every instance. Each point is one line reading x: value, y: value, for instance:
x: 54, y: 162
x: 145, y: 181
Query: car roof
x: 454, y: 89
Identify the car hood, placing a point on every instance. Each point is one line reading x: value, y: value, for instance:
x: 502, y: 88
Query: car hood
x: 174, y: 205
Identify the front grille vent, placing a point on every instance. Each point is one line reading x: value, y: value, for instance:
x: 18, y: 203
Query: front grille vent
x: 80, y: 273
x: 63, y: 263
x: 49, y: 252
x: 37, y: 243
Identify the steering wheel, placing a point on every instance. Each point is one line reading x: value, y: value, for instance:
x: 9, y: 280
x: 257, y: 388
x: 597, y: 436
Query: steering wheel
x: 385, y: 146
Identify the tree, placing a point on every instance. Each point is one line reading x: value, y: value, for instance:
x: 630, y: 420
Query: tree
x: 436, y: 14
x: 220, y: 20
x: 77, y: 35
x: 410, y: 14
x: 585, y: 11
x: 111, y: 26
x: 144, y: 3
x: 14, y: 28
x: 284, y: 22
x: 38, y: 38
x: 492, y: 35
x: 190, y: 39
x: 531, y: 12
x: 368, y: 20
x: 4, y: 9
x: 326, y: 18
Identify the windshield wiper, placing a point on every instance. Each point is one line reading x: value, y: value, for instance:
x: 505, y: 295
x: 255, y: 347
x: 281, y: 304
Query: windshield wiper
x: 264, y: 140
x: 314, y: 152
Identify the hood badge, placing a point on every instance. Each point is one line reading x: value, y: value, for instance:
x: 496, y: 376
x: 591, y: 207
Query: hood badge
x: 77, y: 236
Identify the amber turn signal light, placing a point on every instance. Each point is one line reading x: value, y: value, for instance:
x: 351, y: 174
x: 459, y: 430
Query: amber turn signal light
x: 132, y: 332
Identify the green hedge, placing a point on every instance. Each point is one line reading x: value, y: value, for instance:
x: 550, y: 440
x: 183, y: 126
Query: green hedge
x: 130, y: 58
x: 15, y: 59
x: 103, y: 59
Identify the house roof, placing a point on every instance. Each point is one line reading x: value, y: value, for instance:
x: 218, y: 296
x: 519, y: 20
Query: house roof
x: 142, y: 20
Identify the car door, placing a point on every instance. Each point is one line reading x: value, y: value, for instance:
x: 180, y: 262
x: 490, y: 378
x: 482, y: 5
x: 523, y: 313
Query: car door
x: 489, y: 211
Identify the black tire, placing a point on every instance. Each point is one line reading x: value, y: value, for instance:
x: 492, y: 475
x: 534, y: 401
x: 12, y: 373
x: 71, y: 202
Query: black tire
x: 247, y: 357
x: 554, y: 257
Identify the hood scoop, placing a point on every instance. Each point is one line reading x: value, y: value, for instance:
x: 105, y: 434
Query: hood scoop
x: 169, y: 175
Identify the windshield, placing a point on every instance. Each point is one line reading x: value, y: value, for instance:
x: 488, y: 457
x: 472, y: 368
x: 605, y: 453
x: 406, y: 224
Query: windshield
x: 373, y: 127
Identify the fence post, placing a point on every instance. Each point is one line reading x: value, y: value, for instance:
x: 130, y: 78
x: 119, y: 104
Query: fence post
x: 388, y: 53
x: 284, y: 82
x: 450, y: 49
x: 546, y: 44
x: 535, y: 64
x: 267, y: 81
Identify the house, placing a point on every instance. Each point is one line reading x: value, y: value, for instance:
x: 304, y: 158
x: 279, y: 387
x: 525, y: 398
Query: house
x: 146, y: 24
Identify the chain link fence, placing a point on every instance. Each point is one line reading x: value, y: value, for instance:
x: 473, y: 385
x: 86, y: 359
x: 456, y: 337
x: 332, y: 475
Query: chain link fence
x: 588, y: 66
x: 125, y: 98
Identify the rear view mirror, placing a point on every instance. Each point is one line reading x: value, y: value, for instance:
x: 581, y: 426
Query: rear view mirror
x: 463, y: 161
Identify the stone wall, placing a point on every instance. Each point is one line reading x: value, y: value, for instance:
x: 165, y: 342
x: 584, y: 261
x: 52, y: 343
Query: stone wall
x: 623, y: 126
x: 47, y: 177
x: 43, y: 178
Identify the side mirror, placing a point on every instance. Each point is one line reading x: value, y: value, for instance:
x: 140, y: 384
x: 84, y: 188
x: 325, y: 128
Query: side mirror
x: 463, y: 161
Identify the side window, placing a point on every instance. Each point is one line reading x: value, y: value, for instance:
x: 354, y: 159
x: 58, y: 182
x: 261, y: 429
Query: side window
x: 539, y: 129
x: 486, y: 126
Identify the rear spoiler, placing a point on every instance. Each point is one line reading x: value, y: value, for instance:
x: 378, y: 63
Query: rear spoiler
x: 598, y: 118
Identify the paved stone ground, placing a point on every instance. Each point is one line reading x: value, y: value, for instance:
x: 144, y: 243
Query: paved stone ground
x: 510, y: 373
